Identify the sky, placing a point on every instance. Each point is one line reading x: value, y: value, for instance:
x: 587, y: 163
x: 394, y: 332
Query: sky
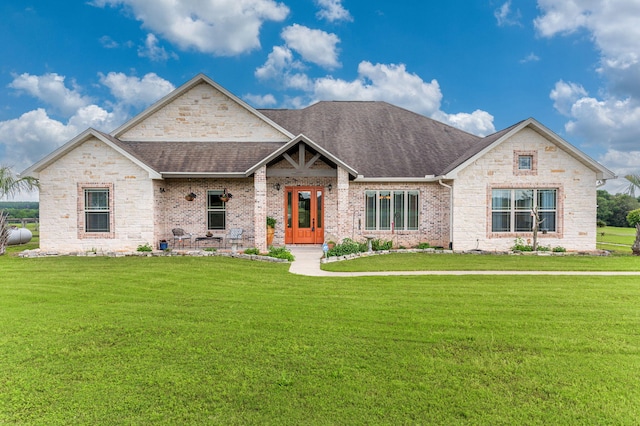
x: 479, y: 65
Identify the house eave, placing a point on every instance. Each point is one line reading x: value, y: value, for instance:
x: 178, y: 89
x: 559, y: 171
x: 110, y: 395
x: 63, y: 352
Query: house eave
x: 364, y: 179
x: 204, y: 175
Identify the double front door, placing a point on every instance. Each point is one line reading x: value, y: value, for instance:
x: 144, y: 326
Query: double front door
x: 304, y: 210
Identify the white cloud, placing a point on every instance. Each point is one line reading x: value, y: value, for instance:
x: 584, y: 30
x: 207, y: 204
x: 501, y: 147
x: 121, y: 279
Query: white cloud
x: 314, y: 46
x: 258, y: 101
x: 392, y: 83
x: 31, y: 136
x: 109, y: 43
x: 531, y: 57
x: 506, y: 17
x: 154, y: 52
x: 34, y: 134
x: 281, y: 67
x: 136, y: 91
x: 50, y: 88
x: 332, y: 10
x: 608, y: 121
x: 220, y: 27
x: 564, y: 95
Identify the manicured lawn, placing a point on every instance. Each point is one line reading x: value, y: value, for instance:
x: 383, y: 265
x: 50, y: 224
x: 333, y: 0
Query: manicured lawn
x: 616, y: 239
x: 227, y: 341
x: 469, y: 262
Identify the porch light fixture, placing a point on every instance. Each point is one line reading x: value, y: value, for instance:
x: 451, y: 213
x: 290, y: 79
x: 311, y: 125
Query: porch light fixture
x: 277, y: 186
x: 330, y: 187
x: 162, y: 190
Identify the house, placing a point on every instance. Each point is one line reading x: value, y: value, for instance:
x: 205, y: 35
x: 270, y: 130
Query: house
x: 333, y: 170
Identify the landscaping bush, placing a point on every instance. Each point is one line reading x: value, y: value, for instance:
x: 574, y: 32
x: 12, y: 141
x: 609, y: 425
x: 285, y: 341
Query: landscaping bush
x: 378, y: 244
x: 520, y: 245
x: 144, y: 247
x: 559, y: 249
x: 280, y: 253
x: 423, y: 246
x: 601, y: 224
x: 348, y: 246
x: 252, y: 250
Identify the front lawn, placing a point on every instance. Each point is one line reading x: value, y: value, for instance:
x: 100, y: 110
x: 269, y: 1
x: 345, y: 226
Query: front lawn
x: 615, y: 239
x: 225, y: 341
x: 471, y: 262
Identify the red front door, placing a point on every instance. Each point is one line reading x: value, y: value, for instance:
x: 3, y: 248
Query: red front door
x: 304, y: 210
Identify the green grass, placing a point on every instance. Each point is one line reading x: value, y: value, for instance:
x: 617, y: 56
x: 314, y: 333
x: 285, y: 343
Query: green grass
x: 184, y: 340
x: 615, y: 239
x: 467, y: 262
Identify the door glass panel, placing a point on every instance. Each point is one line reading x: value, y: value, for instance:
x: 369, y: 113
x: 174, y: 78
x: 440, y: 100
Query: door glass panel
x: 304, y: 209
x: 319, y: 209
x: 289, y: 209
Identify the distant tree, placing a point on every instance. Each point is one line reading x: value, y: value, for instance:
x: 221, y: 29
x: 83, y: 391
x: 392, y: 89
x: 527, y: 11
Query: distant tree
x: 605, y: 206
x: 621, y: 205
x: 634, y: 220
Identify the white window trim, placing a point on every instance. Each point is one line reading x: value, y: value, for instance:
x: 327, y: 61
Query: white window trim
x: 558, y: 233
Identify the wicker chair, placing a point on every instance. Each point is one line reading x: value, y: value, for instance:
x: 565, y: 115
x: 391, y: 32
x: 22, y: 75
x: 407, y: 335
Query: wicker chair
x: 179, y: 237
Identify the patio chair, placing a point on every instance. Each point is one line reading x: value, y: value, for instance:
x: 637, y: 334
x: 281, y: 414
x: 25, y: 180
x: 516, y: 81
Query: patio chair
x: 234, y: 236
x: 180, y: 236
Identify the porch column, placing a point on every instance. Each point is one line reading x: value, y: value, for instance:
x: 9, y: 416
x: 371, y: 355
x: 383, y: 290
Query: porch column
x: 344, y: 219
x: 260, y: 208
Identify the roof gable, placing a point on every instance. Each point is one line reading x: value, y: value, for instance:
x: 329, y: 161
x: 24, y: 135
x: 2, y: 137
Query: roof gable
x: 490, y: 142
x: 201, y: 110
x: 80, y: 139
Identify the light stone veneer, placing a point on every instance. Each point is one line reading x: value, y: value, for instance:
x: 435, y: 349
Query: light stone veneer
x: 95, y: 164
x: 556, y: 168
x: 203, y: 114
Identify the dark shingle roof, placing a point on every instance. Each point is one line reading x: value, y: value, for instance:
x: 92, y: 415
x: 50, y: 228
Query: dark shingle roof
x: 378, y: 139
x: 202, y: 157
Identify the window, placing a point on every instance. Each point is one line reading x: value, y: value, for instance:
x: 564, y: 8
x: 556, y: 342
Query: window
x: 97, y: 210
x: 216, y: 211
x: 512, y: 209
x: 525, y: 162
x: 387, y: 210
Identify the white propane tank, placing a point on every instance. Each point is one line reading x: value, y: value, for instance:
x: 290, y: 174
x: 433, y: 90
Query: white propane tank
x: 19, y: 236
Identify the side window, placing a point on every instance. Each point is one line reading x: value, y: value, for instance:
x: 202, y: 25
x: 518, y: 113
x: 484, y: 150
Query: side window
x: 95, y: 210
x: 216, y: 211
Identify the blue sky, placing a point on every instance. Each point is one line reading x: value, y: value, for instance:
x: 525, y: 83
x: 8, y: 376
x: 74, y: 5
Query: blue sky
x: 480, y: 65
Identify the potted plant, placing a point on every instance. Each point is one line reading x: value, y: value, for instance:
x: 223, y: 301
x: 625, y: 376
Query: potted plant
x: 226, y: 196
x: 271, y: 224
x: 190, y: 196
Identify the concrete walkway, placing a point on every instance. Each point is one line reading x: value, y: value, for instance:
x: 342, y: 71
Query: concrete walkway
x: 308, y: 263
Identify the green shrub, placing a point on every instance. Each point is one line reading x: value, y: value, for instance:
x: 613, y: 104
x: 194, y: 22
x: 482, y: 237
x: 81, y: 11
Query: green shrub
x: 213, y: 249
x: 280, y: 253
x: 144, y: 247
x: 601, y: 224
x: 423, y: 246
x: 633, y: 217
x: 559, y: 249
x: 378, y: 244
x: 271, y: 222
x: 252, y: 250
x: 521, y: 246
x: 348, y: 246
x: 543, y: 248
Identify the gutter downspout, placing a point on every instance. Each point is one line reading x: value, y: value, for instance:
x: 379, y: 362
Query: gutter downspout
x: 450, y: 212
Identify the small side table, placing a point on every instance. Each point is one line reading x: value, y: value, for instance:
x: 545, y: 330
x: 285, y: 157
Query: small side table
x: 218, y: 239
